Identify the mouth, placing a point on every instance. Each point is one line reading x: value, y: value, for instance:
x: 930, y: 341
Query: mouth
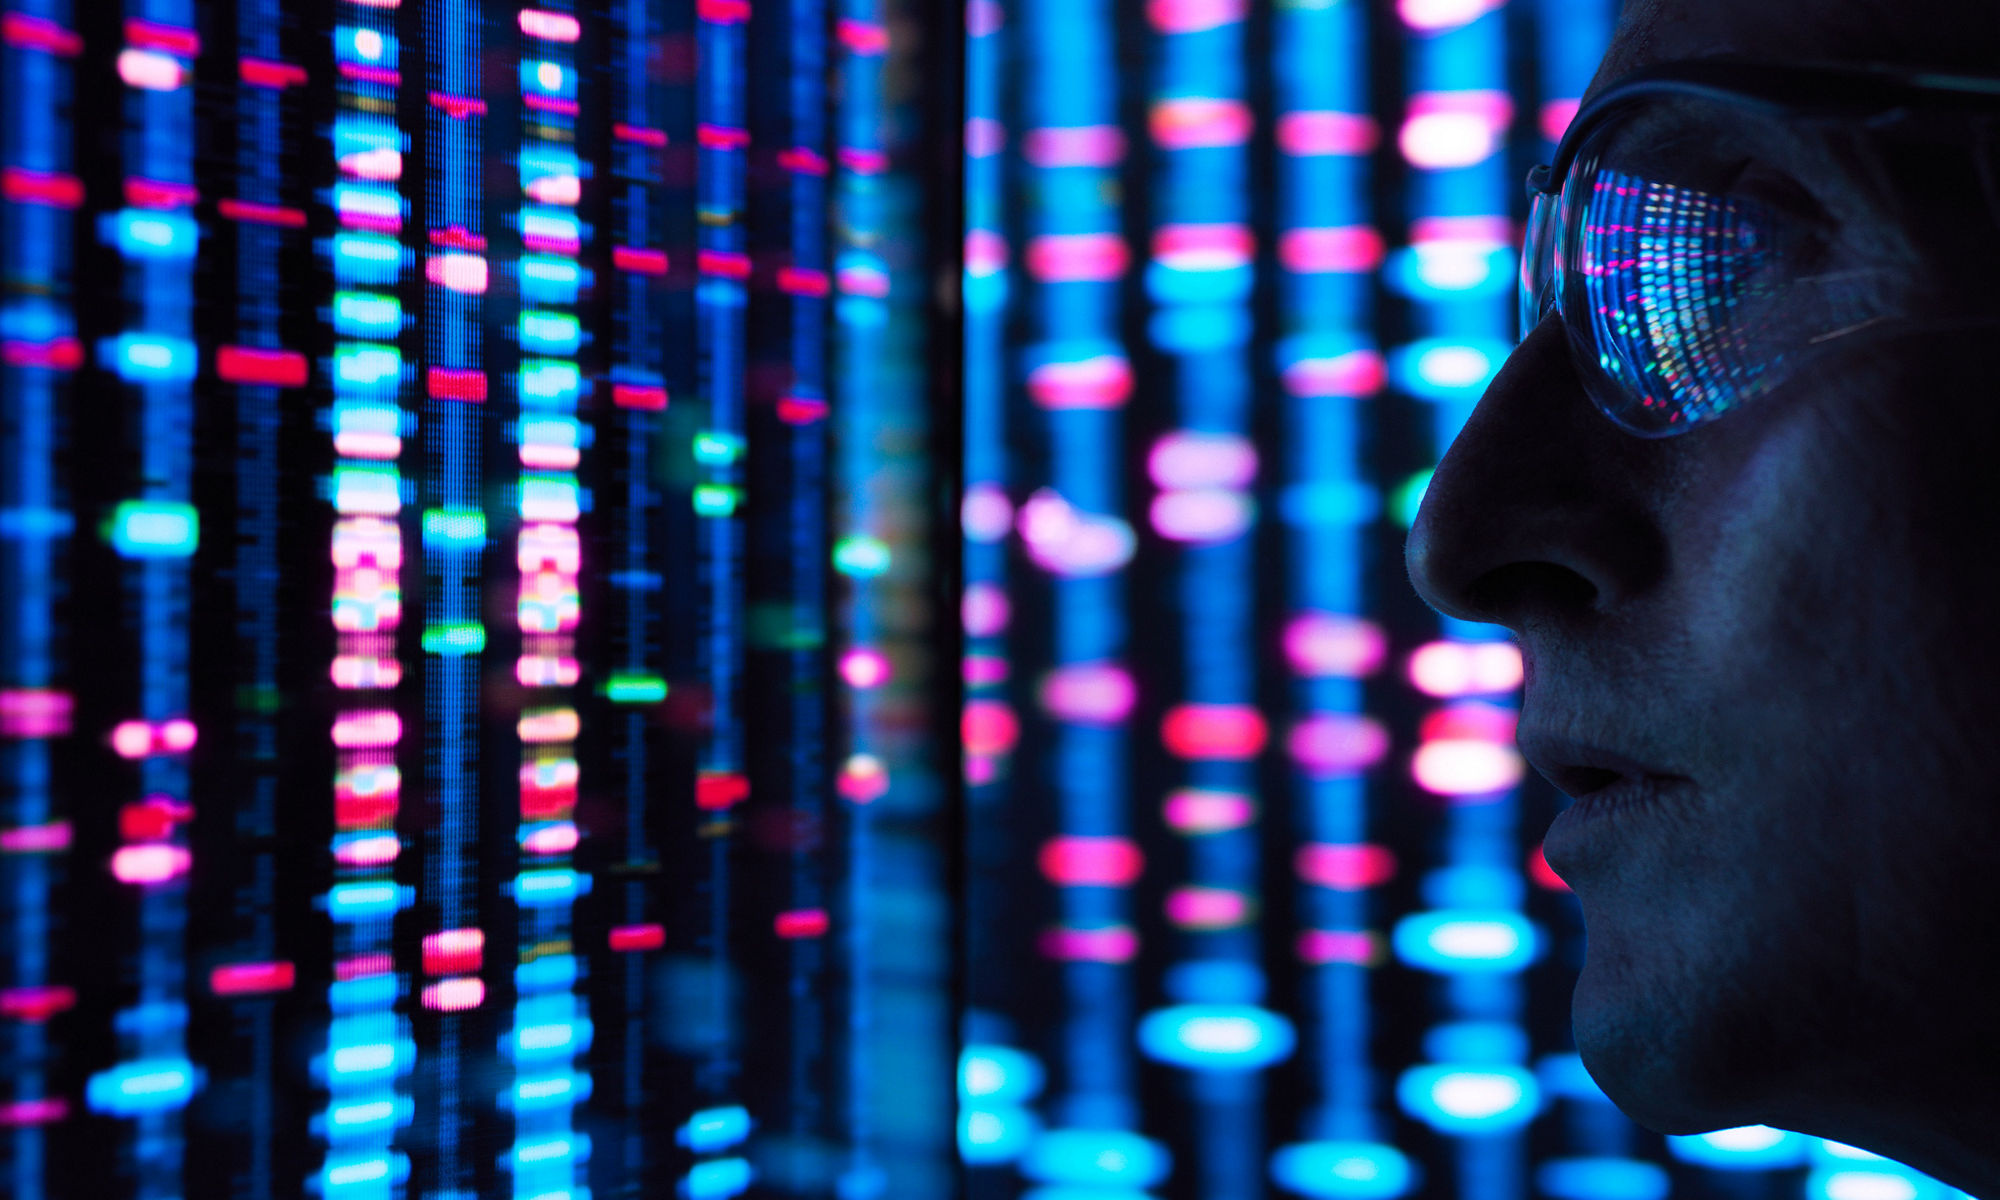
x: 1604, y: 784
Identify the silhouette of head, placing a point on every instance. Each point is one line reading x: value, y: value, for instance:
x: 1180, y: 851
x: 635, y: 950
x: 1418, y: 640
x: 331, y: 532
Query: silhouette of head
x: 1767, y: 648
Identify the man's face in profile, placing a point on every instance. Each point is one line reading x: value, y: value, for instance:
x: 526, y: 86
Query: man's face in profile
x: 1773, y: 645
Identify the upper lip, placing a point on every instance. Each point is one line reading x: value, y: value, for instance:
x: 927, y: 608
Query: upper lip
x: 1579, y: 767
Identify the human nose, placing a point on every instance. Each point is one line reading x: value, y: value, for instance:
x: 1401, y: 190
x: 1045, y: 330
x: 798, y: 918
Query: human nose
x: 1540, y: 508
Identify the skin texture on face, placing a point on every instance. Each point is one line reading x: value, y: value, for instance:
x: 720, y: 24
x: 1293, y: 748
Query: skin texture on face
x: 1791, y: 617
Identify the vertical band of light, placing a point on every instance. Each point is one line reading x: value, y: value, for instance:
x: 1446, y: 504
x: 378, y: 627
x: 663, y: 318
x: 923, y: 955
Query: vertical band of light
x: 264, y: 375
x: 39, y: 353
x: 454, y: 381
x: 1074, y: 529
x: 1200, y: 279
x: 369, y: 1048
x: 722, y: 266
x: 637, y: 682
x: 804, y: 281
x: 157, y: 531
x: 1329, y: 370
x: 997, y: 1078
x: 551, y: 1029
x: 1471, y: 932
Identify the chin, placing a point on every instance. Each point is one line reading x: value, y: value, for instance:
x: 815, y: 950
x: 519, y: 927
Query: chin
x: 1675, y: 1060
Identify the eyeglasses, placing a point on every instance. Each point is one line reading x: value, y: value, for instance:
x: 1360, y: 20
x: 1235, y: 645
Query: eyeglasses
x: 1691, y: 238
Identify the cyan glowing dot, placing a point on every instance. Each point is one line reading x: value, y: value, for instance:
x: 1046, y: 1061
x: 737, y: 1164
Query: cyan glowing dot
x: 1461, y: 1100
x: 635, y: 689
x: 455, y: 638
x: 714, y: 1129
x: 1342, y: 1170
x: 1601, y: 1179
x: 1745, y: 1147
x: 454, y: 528
x: 991, y: 1074
x: 154, y: 529
x: 861, y: 556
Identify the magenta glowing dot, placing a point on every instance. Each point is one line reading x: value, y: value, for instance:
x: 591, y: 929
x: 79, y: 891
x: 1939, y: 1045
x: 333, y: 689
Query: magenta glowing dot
x: 461, y: 273
x: 1435, y: 16
x: 547, y: 670
x: 864, y: 669
x: 454, y: 951
x: 1332, y: 745
x: 1344, y: 867
x: 1445, y: 130
x: 1313, y: 133
x: 1351, y: 946
x: 150, y: 70
x: 557, y: 838
x: 549, y: 547
x: 383, y: 164
x: 34, y: 713
x: 1321, y: 645
x: 1199, y: 122
x: 1331, y: 250
x: 1354, y: 373
x: 251, y: 979
x: 1556, y: 116
x: 984, y: 18
x: 1203, y: 516
x: 367, y: 445
x: 1067, y: 542
x: 980, y: 769
x: 1187, y: 459
x: 985, y: 610
x: 1195, y: 811
x: 153, y: 863
x: 377, y: 850
x: 1205, y: 908
x: 1091, y: 861
x: 1089, y: 693
x: 985, y: 253
x: 1105, y: 943
x: 1223, y: 732
x: 555, y: 189
x: 800, y: 923
x: 985, y: 670
x: 361, y: 966
x: 132, y: 739
x: 1193, y: 16
x: 984, y: 137
x: 365, y: 671
x: 1077, y: 257
x: 863, y: 779
x: 176, y: 736
x: 549, y: 725
x: 454, y: 995
x: 986, y: 513
x: 367, y: 728
x: 1074, y: 146
x: 35, y: 839
x: 550, y: 26
x: 1466, y: 668
x: 989, y: 727
x: 1454, y: 767
x: 1217, y: 246
x: 1471, y: 720
x: 1100, y: 381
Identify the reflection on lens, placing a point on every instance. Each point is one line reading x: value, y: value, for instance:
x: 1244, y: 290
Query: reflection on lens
x: 1679, y: 283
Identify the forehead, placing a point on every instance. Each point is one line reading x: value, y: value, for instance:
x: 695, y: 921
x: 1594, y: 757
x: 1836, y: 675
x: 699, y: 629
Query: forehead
x: 1953, y: 35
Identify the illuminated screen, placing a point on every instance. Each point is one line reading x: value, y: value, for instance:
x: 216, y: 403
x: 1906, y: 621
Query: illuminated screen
x: 1254, y: 901
x: 463, y: 628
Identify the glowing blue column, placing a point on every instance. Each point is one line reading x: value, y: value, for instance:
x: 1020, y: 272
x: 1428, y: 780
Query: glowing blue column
x: 39, y: 352
x: 551, y: 1030
x: 1330, y: 370
x: 1073, y: 528
x: 157, y: 531
x: 1471, y: 933
x: 1200, y: 278
x: 369, y: 1047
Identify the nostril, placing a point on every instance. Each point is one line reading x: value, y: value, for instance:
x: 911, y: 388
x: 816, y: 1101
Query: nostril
x: 1506, y: 591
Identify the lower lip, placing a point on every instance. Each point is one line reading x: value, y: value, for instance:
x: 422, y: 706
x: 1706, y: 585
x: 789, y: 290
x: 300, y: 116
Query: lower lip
x: 1623, y: 801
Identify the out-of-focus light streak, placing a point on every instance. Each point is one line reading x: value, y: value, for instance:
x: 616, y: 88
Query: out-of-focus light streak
x: 367, y: 380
